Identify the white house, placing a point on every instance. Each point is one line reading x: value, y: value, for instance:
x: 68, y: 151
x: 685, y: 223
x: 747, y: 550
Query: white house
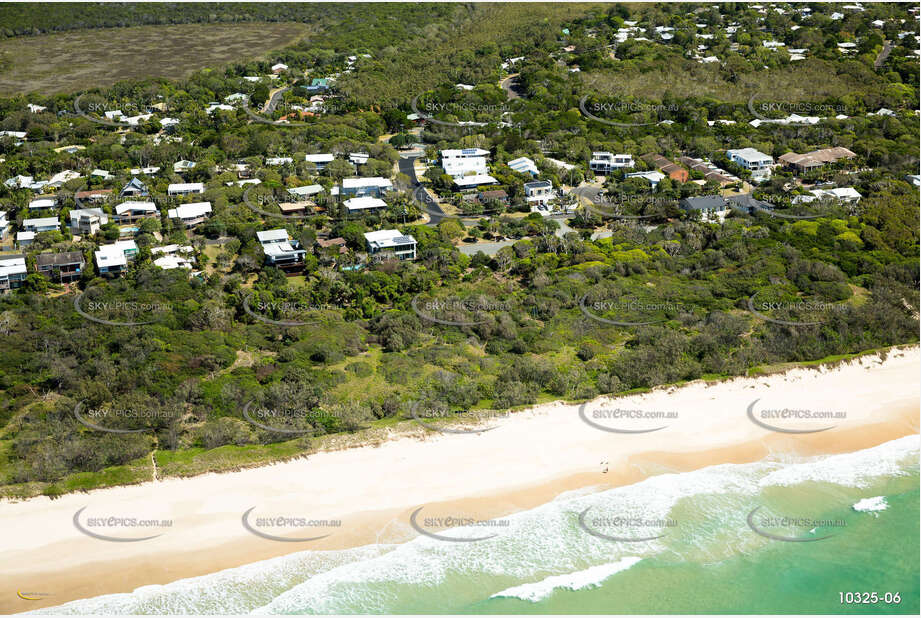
x: 759, y: 163
x: 374, y: 186
x: 87, y: 221
x: 306, y: 191
x: 319, y: 160
x: 12, y: 272
x: 458, y: 163
x: 112, y: 259
x: 280, y: 250
x: 185, y: 188
x: 279, y: 161
x: 132, y: 210
x: 654, y: 178
x: 365, y: 204
x: 606, y: 162
x: 143, y: 171
x: 472, y: 182
x: 4, y: 225
x: 173, y: 256
x: 43, y: 224
x: 42, y: 202
x: 358, y: 158
x: 190, y: 214
x: 390, y: 244
x: 278, y: 68
x: 523, y: 165
x: 183, y: 166
x: 539, y: 192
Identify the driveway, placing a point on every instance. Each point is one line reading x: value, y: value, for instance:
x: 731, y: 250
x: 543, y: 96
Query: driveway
x: 420, y: 193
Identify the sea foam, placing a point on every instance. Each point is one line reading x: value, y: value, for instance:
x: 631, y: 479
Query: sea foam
x: 580, y: 580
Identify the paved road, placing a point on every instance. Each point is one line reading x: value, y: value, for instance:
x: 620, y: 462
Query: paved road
x: 507, y: 85
x: 420, y: 194
x: 883, y: 54
x: 272, y: 103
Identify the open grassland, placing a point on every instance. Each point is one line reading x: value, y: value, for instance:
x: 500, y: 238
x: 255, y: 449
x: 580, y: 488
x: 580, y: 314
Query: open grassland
x: 88, y: 59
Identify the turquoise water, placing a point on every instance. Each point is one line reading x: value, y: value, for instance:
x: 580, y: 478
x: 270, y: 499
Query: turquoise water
x: 708, y: 560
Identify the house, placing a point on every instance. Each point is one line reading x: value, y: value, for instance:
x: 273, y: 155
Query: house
x: 44, y: 224
x: 237, y: 97
x: 710, y: 171
x: 302, y: 193
x: 365, y: 204
x: 43, y: 202
x: 390, y: 244
x: 280, y: 250
x: 36, y: 109
x: 19, y: 182
x: 466, y: 183
x: 113, y: 259
x: 318, y: 84
x: 319, y: 160
x: 4, y: 226
x: 87, y: 221
x: 135, y: 211
x: 104, y: 174
x: 523, y: 165
x: 539, y: 192
x: 278, y: 68
x: 143, y: 171
x: 190, y: 214
x: 134, y: 188
x: 360, y: 187
x: 169, y: 123
x: 12, y: 272
x: 185, y: 188
x: 463, y: 162
x: 358, y: 158
x: 294, y: 208
x: 669, y: 168
x: 815, y: 159
x: 95, y: 196
x: 654, y: 178
x: 707, y: 206
x: 745, y: 201
x: 173, y: 256
x: 497, y: 195
x: 279, y: 161
x: 847, y: 195
x: 605, y: 162
x: 64, y: 267
x: 914, y: 179
x: 333, y: 242
x: 756, y: 161
x: 24, y: 239
x: 183, y: 166
x: 218, y: 107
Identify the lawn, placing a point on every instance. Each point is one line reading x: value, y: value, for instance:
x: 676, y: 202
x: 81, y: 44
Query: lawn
x: 87, y: 59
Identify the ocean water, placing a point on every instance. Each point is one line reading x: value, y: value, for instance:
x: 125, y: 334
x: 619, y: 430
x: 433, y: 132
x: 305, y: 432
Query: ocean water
x: 823, y: 526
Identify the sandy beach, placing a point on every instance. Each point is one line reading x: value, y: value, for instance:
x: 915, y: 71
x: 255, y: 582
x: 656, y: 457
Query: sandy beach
x: 523, y: 460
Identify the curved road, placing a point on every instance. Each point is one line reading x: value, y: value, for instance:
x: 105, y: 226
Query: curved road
x: 420, y: 194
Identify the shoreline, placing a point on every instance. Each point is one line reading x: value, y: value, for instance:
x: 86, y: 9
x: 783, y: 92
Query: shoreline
x: 527, y: 460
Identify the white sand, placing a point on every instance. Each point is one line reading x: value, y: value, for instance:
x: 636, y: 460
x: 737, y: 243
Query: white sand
x: 42, y: 550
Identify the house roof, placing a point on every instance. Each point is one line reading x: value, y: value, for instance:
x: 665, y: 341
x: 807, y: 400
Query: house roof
x: 706, y: 202
x: 383, y: 239
x: 280, y: 234
x: 189, y: 211
x: 132, y: 206
x: 374, y: 181
x: 56, y: 259
x: 475, y: 180
x: 364, y: 203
